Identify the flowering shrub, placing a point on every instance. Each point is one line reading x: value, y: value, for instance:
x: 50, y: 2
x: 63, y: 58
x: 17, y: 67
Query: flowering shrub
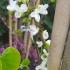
x: 30, y: 41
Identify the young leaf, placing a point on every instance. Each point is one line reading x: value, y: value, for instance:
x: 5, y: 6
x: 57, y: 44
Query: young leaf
x: 25, y: 62
x: 10, y: 59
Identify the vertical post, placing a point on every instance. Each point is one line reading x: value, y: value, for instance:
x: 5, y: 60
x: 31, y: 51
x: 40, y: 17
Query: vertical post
x: 59, y: 33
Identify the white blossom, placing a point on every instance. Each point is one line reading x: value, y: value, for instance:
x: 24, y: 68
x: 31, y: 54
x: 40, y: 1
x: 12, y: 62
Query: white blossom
x: 12, y: 5
x: 41, y: 9
x: 39, y: 43
x: 45, y: 52
x: 20, y: 10
x: 40, y: 67
x: 44, y: 56
x: 43, y: 64
x: 48, y: 42
x: 33, y: 29
x: 45, y: 34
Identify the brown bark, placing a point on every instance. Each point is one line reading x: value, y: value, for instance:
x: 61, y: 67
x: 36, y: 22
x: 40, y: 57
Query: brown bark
x: 59, y: 33
x: 66, y: 57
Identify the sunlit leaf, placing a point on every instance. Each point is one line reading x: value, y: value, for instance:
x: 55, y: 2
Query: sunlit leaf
x: 10, y: 59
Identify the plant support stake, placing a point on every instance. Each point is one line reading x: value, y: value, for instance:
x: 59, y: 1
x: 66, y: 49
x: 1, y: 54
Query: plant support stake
x: 59, y: 34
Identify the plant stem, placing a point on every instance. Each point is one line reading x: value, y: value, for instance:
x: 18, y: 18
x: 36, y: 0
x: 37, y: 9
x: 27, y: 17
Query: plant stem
x: 30, y: 39
x: 15, y: 30
x: 16, y: 24
x: 37, y: 2
x: 10, y: 29
x: 25, y: 40
x: 28, y: 45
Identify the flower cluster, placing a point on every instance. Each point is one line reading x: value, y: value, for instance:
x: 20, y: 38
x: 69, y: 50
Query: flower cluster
x: 19, y: 10
x: 43, y: 64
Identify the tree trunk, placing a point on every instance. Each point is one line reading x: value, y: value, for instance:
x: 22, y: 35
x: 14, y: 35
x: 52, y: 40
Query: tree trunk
x: 59, y: 33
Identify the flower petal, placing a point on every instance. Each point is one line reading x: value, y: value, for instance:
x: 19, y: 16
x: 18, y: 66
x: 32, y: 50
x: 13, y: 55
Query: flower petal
x: 35, y: 15
x: 10, y: 8
x: 12, y: 5
x: 39, y: 43
x: 33, y: 29
x: 23, y: 8
x: 18, y: 14
x: 48, y: 42
x: 43, y: 12
x: 45, y: 34
x: 38, y: 67
x: 43, y: 9
x: 45, y: 6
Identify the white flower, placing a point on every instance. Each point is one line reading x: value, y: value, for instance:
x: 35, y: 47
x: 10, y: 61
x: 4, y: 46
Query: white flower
x: 41, y: 67
x: 43, y: 64
x: 33, y: 29
x: 12, y: 5
x: 48, y: 42
x: 45, y: 34
x: 39, y: 43
x: 45, y: 52
x: 41, y: 9
x: 20, y: 10
x: 35, y: 15
x: 44, y: 56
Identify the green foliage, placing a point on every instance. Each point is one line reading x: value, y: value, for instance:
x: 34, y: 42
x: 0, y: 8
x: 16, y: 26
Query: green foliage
x: 26, y: 20
x: 24, y: 1
x: 0, y: 64
x: 25, y: 63
x: 10, y: 59
x: 19, y: 32
x: 46, y: 45
x: 53, y: 1
x: 3, y: 5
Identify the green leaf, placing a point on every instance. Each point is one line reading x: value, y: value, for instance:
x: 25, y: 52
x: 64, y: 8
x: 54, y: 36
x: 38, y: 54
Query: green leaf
x: 53, y: 1
x: 10, y: 59
x: 46, y: 45
x: 27, y: 20
x: 0, y: 64
x: 25, y: 62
